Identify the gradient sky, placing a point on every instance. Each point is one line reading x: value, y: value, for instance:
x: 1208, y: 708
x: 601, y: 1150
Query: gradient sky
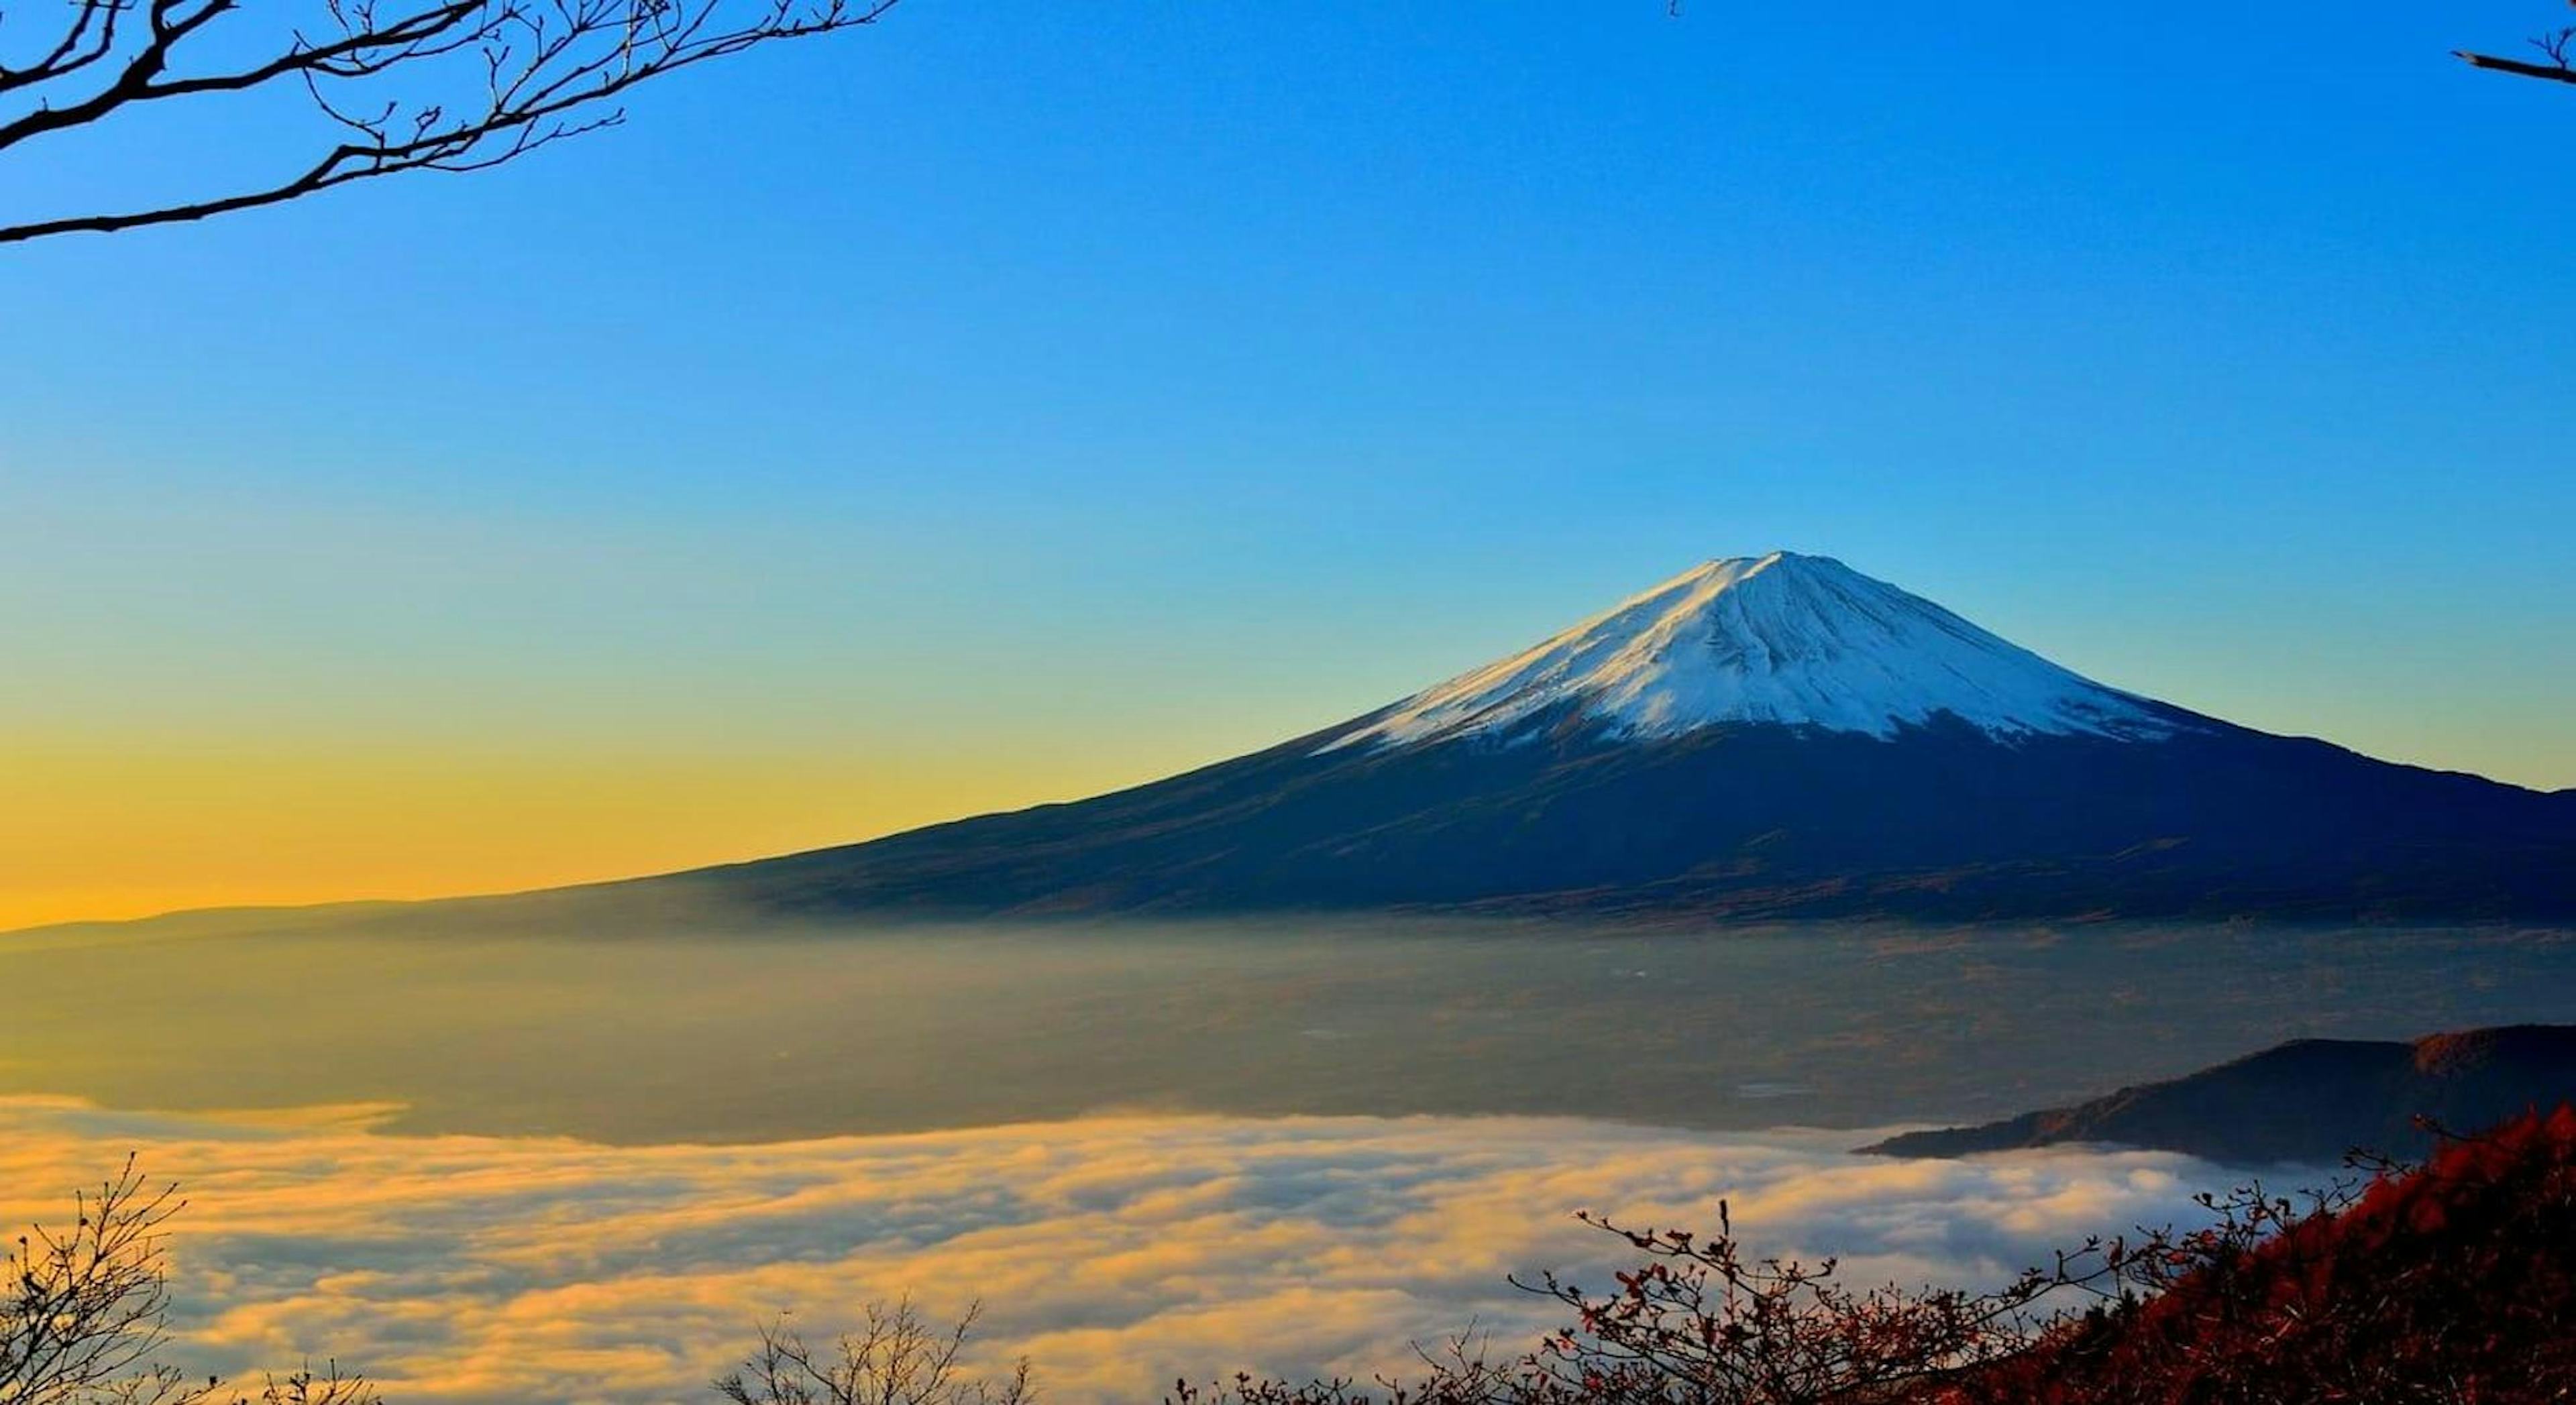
x: 1016, y: 400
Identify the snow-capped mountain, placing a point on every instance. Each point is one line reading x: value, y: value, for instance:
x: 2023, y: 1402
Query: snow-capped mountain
x: 1797, y: 640
x: 1760, y: 736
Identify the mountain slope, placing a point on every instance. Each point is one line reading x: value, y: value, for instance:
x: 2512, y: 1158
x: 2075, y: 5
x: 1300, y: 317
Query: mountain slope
x: 2309, y: 1100
x: 1769, y: 736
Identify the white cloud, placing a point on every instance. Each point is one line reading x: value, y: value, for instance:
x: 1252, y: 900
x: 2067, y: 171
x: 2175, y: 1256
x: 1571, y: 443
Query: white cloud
x: 1119, y: 1252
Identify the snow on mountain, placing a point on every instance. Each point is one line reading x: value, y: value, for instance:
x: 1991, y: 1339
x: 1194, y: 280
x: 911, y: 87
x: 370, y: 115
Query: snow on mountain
x: 1783, y: 638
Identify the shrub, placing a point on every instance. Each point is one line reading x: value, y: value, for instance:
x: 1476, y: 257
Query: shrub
x: 86, y: 1309
x: 2452, y: 1282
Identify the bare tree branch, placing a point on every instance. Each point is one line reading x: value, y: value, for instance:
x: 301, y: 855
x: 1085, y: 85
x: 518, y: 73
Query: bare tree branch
x: 2558, y: 72
x: 896, y: 1358
x: 86, y: 1309
x: 2558, y: 50
x: 484, y: 81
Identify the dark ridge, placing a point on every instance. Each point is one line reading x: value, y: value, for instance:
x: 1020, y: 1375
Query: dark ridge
x: 2310, y: 1100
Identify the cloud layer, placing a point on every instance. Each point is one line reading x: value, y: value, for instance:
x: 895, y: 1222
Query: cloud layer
x: 1118, y: 1252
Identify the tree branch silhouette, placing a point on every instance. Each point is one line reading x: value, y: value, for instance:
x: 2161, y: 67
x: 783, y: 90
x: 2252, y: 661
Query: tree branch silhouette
x: 85, y: 1313
x: 2557, y: 51
x: 494, y: 79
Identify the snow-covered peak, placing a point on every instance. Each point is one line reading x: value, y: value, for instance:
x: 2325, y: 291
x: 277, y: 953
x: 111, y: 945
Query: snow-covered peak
x: 1783, y: 638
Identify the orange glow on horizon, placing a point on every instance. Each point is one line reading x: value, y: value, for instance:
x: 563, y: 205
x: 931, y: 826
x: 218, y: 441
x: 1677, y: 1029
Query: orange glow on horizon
x: 94, y: 833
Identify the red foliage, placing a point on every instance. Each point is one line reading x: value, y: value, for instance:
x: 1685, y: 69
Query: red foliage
x: 2454, y: 1282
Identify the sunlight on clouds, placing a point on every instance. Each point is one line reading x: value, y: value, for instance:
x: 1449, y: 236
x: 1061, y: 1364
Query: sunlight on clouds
x: 1119, y: 1252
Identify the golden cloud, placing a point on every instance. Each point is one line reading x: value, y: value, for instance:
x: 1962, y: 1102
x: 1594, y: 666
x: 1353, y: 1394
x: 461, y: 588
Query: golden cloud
x: 1119, y: 1252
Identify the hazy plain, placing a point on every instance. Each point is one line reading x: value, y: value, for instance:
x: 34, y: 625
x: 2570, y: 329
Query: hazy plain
x: 645, y: 1029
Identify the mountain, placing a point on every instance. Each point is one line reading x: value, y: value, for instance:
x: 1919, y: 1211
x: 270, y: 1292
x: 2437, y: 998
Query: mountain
x: 1763, y: 736
x: 1785, y: 640
x: 2310, y: 1100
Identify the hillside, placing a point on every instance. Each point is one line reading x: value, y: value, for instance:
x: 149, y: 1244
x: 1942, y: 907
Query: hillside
x: 2453, y: 1282
x: 2310, y: 1100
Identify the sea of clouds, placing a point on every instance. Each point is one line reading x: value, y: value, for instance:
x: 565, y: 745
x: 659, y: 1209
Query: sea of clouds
x: 1119, y: 1253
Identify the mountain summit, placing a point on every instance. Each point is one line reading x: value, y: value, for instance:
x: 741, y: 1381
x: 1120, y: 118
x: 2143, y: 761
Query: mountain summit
x: 1788, y: 639
x: 1765, y: 736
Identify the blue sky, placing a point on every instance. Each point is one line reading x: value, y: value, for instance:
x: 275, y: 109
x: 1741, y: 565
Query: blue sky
x: 1062, y: 395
